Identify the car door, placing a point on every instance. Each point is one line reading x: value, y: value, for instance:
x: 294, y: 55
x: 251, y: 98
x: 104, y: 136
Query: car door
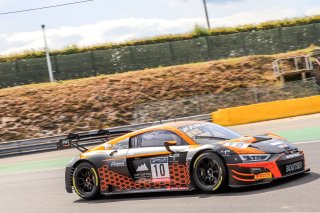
x: 115, y: 159
x: 150, y: 162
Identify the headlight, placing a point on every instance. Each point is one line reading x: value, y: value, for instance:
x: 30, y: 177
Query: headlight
x: 254, y: 157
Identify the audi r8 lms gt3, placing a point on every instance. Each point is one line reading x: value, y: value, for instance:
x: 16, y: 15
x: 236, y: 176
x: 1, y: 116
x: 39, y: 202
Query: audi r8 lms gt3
x: 177, y: 156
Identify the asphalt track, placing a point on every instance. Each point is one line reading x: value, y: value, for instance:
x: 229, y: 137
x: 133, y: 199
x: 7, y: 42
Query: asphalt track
x: 26, y: 186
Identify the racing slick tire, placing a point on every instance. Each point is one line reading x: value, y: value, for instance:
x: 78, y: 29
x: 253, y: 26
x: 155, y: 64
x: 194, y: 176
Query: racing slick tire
x: 86, y: 181
x: 209, y: 172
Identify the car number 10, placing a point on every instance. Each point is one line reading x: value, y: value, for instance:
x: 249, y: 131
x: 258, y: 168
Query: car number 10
x: 159, y: 168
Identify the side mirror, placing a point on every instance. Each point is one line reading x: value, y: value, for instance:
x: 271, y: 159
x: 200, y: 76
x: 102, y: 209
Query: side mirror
x: 167, y: 145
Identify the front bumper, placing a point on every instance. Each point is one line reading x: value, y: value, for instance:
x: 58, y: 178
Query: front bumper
x: 68, y: 179
x: 69, y: 173
x: 280, y: 166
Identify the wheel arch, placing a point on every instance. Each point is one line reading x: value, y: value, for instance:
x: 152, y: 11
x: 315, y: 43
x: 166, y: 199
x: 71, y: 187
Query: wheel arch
x: 82, y: 161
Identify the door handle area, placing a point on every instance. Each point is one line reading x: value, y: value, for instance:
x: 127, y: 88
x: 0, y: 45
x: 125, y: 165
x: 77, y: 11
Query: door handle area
x: 113, y: 152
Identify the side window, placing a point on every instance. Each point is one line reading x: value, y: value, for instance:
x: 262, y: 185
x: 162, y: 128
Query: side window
x: 157, y: 138
x: 124, y: 144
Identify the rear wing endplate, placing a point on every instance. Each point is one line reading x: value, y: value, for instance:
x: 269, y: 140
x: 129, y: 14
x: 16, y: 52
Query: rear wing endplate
x: 101, y: 136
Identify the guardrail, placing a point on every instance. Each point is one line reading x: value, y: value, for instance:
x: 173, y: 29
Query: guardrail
x: 35, y: 145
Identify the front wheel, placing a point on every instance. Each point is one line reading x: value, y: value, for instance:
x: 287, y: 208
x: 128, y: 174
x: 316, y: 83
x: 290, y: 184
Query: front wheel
x: 209, y: 172
x: 86, y: 181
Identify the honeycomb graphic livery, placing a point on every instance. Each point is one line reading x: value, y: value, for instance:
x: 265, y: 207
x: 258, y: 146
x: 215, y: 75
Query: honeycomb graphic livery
x: 179, y: 178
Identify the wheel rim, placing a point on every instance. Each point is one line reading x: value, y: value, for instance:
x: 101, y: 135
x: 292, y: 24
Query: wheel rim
x: 208, y: 172
x: 85, y: 180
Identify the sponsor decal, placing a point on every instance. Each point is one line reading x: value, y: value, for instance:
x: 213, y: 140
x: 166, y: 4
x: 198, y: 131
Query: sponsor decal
x: 120, y: 146
x: 237, y: 145
x: 276, y: 143
x: 225, y: 152
x: 295, y: 155
x: 158, y: 180
x: 146, y: 175
x: 294, y: 167
x: 172, y: 157
x: 189, y: 128
x: 159, y: 168
x: 194, y: 130
x: 256, y: 170
x: 264, y: 175
x: 117, y: 164
x: 279, y: 144
x: 159, y: 160
x: 177, y: 188
x: 107, y: 146
x: 142, y: 168
x: 283, y: 146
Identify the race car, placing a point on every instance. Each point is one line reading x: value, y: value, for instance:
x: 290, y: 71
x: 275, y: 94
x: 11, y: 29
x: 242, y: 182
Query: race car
x: 177, y: 156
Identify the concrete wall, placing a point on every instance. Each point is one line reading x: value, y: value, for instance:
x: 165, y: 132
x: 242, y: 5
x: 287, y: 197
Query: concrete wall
x: 267, y: 111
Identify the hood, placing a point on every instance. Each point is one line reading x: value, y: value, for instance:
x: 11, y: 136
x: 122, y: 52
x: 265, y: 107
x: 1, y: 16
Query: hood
x: 271, y: 144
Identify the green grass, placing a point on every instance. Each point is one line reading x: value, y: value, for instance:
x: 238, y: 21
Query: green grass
x: 198, y: 31
x: 34, y: 165
x: 300, y: 135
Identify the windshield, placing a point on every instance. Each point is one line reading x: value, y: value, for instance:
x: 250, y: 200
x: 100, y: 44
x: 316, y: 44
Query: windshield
x: 206, y: 132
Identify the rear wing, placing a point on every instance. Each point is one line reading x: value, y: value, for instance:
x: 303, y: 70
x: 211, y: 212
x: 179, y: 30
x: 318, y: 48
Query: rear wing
x: 101, y: 136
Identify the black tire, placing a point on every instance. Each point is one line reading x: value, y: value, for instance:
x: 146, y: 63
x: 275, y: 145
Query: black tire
x: 209, y: 172
x: 86, y: 181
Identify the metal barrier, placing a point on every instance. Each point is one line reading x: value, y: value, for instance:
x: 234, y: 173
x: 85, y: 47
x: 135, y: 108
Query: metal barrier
x: 35, y: 145
x: 294, y: 64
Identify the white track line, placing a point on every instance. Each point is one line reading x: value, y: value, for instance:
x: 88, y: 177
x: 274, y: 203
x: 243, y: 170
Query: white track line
x: 303, y: 142
x: 16, y: 173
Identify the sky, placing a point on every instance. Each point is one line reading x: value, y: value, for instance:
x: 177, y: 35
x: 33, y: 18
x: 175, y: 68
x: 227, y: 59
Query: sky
x: 101, y: 21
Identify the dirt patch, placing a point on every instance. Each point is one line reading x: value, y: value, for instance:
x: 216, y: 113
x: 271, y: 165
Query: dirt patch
x: 85, y: 104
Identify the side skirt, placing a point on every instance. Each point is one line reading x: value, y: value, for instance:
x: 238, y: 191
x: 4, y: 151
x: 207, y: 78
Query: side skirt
x: 173, y: 189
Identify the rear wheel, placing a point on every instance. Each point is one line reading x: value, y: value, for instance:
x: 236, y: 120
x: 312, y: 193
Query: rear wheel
x: 86, y: 181
x: 209, y: 172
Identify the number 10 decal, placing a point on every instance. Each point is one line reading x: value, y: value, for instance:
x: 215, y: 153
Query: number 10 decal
x: 159, y: 168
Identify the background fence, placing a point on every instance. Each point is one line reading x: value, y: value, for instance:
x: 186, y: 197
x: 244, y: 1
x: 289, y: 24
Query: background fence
x: 110, y: 61
x: 203, y: 104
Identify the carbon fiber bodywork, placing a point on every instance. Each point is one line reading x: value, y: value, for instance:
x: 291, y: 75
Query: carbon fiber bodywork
x: 126, y: 168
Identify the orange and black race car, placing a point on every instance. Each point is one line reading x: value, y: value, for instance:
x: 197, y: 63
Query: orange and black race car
x: 177, y: 156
